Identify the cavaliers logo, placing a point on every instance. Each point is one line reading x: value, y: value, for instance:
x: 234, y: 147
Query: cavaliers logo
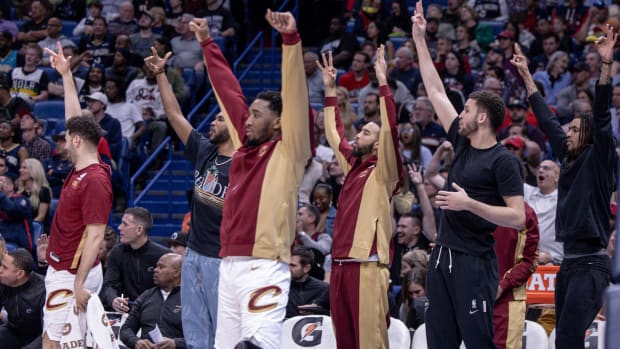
x: 307, y: 332
x: 58, y: 299
x: 255, y: 305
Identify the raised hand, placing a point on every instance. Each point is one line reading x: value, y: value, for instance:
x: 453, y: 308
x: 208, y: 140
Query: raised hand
x: 415, y: 174
x: 156, y: 63
x: 283, y: 22
x: 200, y: 27
x: 519, y: 60
x: 381, y: 66
x: 58, y: 60
x: 418, y: 22
x: 328, y: 71
x: 606, y: 43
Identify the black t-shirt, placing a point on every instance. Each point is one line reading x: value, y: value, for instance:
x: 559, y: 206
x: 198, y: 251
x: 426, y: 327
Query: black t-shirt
x: 486, y: 175
x: 210, y: 186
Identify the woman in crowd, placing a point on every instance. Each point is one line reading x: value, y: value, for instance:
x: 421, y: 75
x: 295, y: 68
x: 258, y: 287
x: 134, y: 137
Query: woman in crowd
x: 33, y: 184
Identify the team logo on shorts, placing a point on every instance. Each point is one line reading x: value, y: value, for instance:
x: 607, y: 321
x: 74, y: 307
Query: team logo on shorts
x: 66, y: 329
x: 308, y: 331
x: 255, y: 305
x: 58, y: 299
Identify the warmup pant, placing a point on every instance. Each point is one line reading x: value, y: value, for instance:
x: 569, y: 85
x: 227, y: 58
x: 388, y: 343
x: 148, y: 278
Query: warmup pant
x: 358, y: 298
x: 508, y: 320
x: 580, y: 284
x: 461, y: 291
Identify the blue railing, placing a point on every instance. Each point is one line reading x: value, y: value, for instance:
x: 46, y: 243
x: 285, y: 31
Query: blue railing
x: 259, y: 42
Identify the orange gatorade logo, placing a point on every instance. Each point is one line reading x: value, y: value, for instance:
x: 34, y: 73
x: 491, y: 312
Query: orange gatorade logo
x: 58, y: 299
x: 255, y: 306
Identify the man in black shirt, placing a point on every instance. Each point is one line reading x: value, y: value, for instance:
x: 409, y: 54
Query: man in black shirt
x: 131, y: 263
x: 22, y: 294
x: 211, y: 158
x: 484, y: 189
x: 587, y: 180
x: 308, y: 295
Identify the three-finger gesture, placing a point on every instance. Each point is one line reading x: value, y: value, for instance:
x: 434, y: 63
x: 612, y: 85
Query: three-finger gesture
x: 58, y: 60
x: 418, y: 22
x: 327, y: 70
x: 415, y: 174
x: 156, y: 63
x: 606, y: 43
x: 381, y: 66
x: 283, y: 22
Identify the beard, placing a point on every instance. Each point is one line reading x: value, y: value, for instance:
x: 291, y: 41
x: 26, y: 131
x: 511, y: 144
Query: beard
x: 219, y: 138
x: 468, y: 128
x: 359, y: 151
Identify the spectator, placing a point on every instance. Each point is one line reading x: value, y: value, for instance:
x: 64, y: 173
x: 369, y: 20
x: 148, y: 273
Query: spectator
x: 33, y: 185
x: 79, y: 68
x: 519, y: 117
x: 409, y: 236
x: 594, y: 61
x: 144, y: 94
x: 97, y: 103
x: 54, y: 35
x: 14, y: 153
x: 322, y: 195
x: 580, y: 80
x: 15, y: 215
x: 142, y: 41
x: 157, y: 308
x: 550, y: 45
x: 37, y: 147
x: 455, y: 76
x: 543, y: 198
x: 177, y: 243
x: 347, y: 114
x: 85, y: 24
x: 493, y: 10
x: 313, y: 77
x: 22, y: 295
x: 555, y: 77
x: 312, y: 174
x: 308, y: 218
x: 59, y: 165
x: 8, y: 56
x: 160, y: 25
x: 404, y: 71
x: 416, y: 258
x: 35, y: 29
x: 575, y: 13
x: 423, y: 115
x: 398, y: 23
x: 402, y: 96
x: 121, y: 67
x: 29, y: 81
x: 415, y: 303
x: 371, y: 111
x: 356, y: 78
x: 220, y: 19
x: 11, y: 107
x: 342, y: 44
x: 411, y: 146
x: 128, y: 115
x: 95, y: 82
x: 559, y: 28
x: 125, y: 23
x: 131, y: 263
x: 308, y: 295
x: 467, y: 46
x: 110, y: 239
x: 187, y: 51
x: 98, y: 43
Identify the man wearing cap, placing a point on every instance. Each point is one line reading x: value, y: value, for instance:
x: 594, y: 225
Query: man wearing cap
x: 121, y: 67
x: 97, y: 103
x: 581, y: 81
x: 142, y: 41
x: 54, y: 35
x: 518, y: 113
x: 177, y: 242
x: 128, y: 114
x: 8, y: 57
x: 58, y: 166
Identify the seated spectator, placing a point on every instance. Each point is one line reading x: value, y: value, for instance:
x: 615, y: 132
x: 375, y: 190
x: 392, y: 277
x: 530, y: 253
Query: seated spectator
x: 11, y: 107
x: 97, y: 103
x: 177, y: 243
x: 312, y: 174
x: 95, y: 81
x: 415, y: 301
x: 370, y: 109
x: 33, y: 184
x: 322, y: 195
x: 8, y: 56
x: 157, y: 307
x: 79, y: 68
x: 404, y: 71
x: 99, y: 43
x: 347, y: 115
x: 555, y: 77
x: 357, y: 76
x: 37, y: 147
x: 307, y: 295
x: 187, y: 50
x: 455, y: 76
x: 15, y: 215
x: 14, y: 153
x: 518, y: 116
x: 314, y: 78
x: 35, y: 29
x: 128, y: 114
x: 308, y: 217
x: 126, y: 22
x: 162, y: 46
x: 54, y: 35
x: 175, y: 11
x: 29, y: 81
x: 58, y: 167
x: 413, y: 259
x: 142, y: 41
x: 423, y: 115
x: 22, y: 295
x: 342, y: 44
x: 467, y: 46
x: 144, y: 94
x: 131, y: 263
x: 402, y: 96
x: 85, y: 24
x: 411, y: 146
x: 398, y: 23
x: 160, y: 24
x: 121, y: 68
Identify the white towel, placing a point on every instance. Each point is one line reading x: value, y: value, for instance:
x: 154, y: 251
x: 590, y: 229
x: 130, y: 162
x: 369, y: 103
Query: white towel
x: 92, y: 329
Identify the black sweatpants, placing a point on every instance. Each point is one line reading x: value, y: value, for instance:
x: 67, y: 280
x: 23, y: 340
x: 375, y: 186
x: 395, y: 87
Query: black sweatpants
x: 580, y: 284
x: 461, y: 290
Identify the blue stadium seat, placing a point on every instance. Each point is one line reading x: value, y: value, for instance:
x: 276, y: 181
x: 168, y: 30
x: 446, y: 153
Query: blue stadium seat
x: 67, y: 28
x: 49, y: 109
x: 123, y: 163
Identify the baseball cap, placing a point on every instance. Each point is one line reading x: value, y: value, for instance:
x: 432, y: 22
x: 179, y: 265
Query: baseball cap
x: 148, y: 14
x: 517, y: 103
x: 506, y: 34
x: 177, y: 238
x: 98, y: 96
x: 60, y: 135
x: 515, y: 142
